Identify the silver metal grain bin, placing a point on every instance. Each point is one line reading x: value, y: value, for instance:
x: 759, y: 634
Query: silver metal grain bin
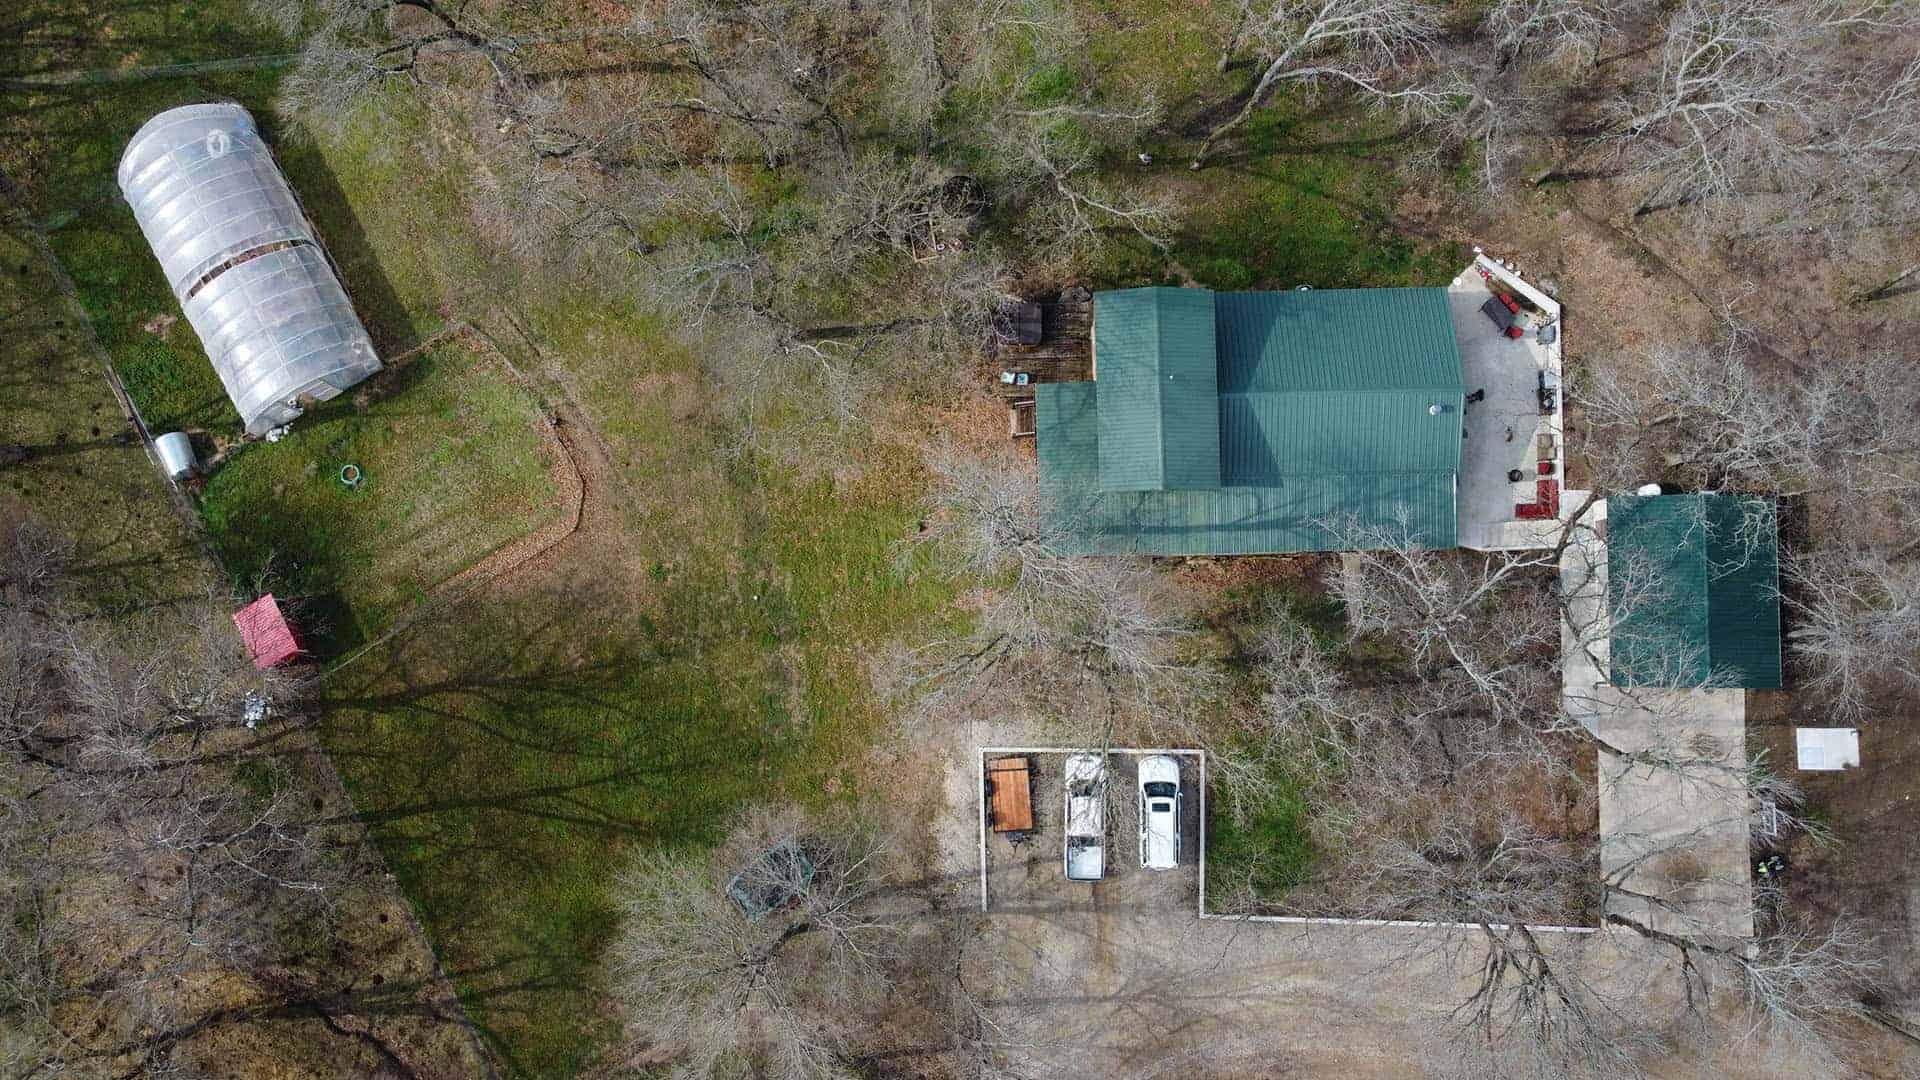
x: 176, y: 454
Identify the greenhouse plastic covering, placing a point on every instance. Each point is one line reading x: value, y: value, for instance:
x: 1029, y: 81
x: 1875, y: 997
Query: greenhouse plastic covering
x: 244, y: 263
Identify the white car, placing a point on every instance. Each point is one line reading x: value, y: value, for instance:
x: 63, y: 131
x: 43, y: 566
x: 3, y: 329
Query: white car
x: 1160, y: 799
x: 1086, y: 817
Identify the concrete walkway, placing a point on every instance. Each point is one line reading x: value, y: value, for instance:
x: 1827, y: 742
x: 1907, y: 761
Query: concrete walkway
x: 1674, y: 809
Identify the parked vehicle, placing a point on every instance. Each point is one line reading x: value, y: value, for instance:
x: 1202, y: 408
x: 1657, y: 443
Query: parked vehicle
x: 1160, y: 800
x: 1086, y: 817
x: 775, y: 880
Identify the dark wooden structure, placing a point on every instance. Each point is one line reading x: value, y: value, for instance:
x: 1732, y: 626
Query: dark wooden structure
x: 1058, y: 349
x: 1063, y: 353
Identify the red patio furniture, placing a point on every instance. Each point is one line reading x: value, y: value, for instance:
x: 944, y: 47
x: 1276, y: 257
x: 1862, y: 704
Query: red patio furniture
x: 1546, y: 504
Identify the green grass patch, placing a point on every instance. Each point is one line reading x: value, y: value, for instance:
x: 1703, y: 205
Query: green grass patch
x: 1302, y: 200
x: 706, y: 649
x: 85, y: 473
x: 510, y: 755
x: 386, y: 200
x: 453, y: 467
x: 1311, y: 206
x: 1267, y: 848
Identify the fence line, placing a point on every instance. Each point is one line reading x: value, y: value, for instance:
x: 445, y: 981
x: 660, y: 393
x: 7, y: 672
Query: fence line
x: 190, y: 519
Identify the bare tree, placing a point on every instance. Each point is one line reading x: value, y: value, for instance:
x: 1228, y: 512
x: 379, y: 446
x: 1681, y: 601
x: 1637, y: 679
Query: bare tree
x: 1534, y: 1013
x: 1766, y: 93
x: 1471, y: 614
x: 1728, y: 76
x: 1359, y: 45
x: 1887, y: 288
x: 1707, y: 417
x: 763, y: 954
x: 1857, y: 622
x: 1567, y: 32
x: 1044, y: 150
x: 1098, y: 640
x: 119, y: 740
x: 1789, y: 985
x: 356, y: 47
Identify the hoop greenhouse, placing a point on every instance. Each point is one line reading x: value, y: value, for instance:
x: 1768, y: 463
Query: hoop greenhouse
x: 244, y: 263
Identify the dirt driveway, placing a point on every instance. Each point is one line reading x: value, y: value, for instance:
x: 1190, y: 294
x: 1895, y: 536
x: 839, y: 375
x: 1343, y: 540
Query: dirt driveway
x: 1115, y: 982
x: 1122, y: 979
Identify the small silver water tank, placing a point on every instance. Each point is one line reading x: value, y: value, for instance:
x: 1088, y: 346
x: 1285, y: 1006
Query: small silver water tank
x: 176, y: 454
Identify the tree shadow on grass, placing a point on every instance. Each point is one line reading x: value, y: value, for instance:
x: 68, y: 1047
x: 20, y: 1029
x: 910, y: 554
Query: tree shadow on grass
x: 386, y: 317
x: 504, y: 753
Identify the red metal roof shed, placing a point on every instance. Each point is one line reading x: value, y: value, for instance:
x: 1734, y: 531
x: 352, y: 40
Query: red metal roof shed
x: 269, y: 639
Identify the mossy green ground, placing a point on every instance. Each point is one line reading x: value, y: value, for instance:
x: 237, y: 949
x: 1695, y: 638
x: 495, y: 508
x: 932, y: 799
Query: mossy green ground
x: 706, y: 650
x: 451, y: 467
x: 708, y: 647
x: 86, y: 474
x: 1267, y: 849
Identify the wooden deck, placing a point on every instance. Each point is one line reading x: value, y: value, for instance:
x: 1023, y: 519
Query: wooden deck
x: 1009, y: 795
x: 1063, y: 354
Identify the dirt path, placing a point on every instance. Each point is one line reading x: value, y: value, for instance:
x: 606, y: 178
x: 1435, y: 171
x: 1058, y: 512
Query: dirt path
x: 578, y: 463
x: 574, y: 476
x: 1084, y: 989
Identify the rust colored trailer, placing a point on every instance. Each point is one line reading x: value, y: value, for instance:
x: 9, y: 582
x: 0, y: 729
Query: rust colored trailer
x: 1009, y: 795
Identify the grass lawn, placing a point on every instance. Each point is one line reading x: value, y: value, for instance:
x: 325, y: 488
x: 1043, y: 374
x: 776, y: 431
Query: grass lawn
x: 453, y: 464
x: 703, y: 649
x: 1305, y: 199
x: 86, y: 474
x: 1259, y: 855
x: 1303, y: 194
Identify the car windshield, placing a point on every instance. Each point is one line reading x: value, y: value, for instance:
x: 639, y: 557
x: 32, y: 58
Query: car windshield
x: 1161, y: 790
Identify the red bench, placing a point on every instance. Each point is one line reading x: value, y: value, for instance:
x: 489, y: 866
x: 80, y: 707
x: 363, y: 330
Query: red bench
x: 1546, y: 504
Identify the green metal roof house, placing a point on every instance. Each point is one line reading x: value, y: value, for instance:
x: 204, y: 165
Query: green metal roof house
x: 1693, y: 584
x: 1253, y: 423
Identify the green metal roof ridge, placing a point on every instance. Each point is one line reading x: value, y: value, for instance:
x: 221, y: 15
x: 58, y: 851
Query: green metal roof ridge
x: 1335, y: 475
x: 1449, y: 391
x: 1157, y: 436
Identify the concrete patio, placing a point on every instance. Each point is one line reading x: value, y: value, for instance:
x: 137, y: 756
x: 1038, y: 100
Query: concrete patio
x: 1506, y: 430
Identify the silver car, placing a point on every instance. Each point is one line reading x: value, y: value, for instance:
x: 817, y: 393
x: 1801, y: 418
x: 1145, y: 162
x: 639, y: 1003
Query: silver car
x: 1160, y: 799
x: 1086, y: 817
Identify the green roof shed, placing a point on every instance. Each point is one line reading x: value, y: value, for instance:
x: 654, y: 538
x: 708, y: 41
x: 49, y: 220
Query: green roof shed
x: 1694, y: 591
